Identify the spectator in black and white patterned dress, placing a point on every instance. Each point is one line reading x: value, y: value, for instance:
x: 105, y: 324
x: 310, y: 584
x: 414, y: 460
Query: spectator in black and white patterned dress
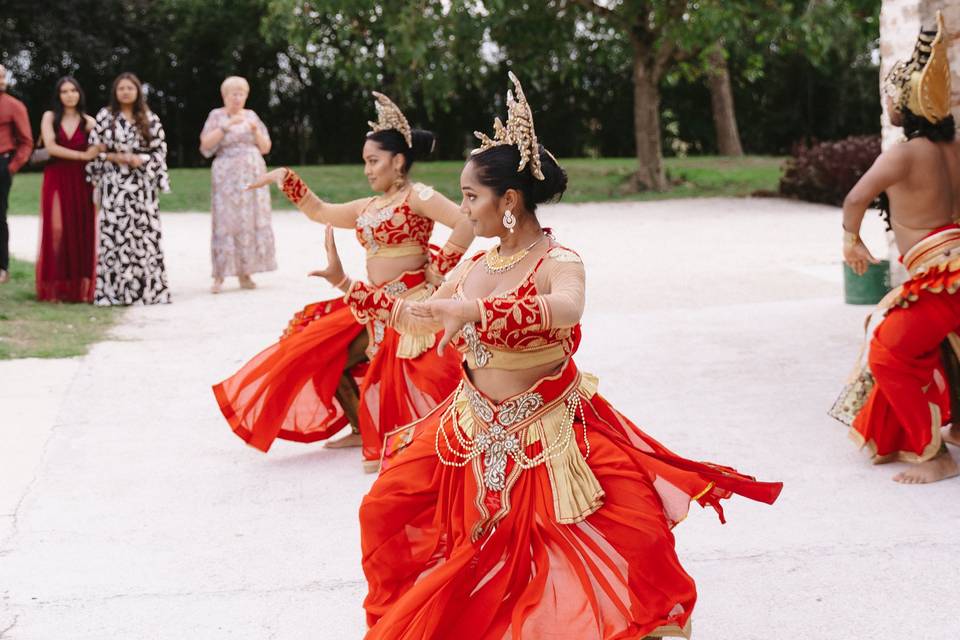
x: 128, y: 174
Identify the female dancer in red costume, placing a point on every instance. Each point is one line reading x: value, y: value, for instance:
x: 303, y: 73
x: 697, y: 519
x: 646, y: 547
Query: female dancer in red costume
x: 524, y: 505
x: 305, y: 386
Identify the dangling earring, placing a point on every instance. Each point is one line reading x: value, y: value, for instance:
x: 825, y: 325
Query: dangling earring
x: 509, y: 220
x: 398, y: 181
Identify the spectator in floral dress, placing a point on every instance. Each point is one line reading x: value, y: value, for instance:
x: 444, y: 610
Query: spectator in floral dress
x: 242, y: 241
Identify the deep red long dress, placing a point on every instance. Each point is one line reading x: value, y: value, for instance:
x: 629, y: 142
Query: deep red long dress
x: 67, y: 261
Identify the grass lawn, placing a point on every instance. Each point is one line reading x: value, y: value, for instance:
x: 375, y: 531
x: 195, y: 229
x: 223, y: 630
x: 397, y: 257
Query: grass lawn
x: 591, y: 180
x: 31, y: 329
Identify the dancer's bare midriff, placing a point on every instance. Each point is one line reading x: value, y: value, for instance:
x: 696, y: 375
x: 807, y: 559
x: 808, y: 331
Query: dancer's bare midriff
x: 383, y: 270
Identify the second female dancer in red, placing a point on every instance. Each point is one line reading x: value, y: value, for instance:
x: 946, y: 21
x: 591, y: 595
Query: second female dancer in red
x: 305, y: 386
x: 524, y: 506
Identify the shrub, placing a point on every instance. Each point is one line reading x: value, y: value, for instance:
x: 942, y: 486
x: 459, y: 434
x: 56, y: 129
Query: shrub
x: 825, y: 172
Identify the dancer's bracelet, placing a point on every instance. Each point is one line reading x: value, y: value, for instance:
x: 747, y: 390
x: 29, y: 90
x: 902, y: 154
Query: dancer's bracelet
x: 850, y: 239
x: 345, y: 281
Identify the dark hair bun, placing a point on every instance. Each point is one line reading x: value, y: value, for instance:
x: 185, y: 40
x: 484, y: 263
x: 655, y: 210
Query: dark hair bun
x: 423, y: 143
x: 497, y: 169
x: 393, y: 141
x: 554, y: 182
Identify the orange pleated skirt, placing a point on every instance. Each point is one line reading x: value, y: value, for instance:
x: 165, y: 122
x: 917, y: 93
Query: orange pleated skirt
x: 288, y: 390
x: 612, y: 575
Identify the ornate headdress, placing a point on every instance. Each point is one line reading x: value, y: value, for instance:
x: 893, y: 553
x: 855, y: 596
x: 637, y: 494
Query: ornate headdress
x: 922, y: 83
x: 519, y: 131
x: 389, y: 116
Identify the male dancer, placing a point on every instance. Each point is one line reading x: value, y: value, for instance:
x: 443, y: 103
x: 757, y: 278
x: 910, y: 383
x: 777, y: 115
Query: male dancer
x: 910, y: 401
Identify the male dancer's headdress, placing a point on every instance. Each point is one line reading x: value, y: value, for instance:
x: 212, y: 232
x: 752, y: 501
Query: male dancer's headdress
x: 389, y: 116
x: 519, y: 131
x: 922, y: 83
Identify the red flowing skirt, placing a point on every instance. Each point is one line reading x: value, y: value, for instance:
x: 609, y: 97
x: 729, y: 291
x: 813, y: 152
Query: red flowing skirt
x: 397, y: 391
x: 612, y: 575
x: 67, y: 259
x: 287, y: 390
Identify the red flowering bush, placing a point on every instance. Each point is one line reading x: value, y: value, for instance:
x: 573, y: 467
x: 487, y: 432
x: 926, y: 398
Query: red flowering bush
x: 825, y: 172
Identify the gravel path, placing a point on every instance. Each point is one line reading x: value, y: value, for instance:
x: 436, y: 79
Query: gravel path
x: 129, y: 510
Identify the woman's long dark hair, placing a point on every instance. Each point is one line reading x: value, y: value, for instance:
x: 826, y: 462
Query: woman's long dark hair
x: 140, y: 108
x: 915, y: 126
x: 58, y: 105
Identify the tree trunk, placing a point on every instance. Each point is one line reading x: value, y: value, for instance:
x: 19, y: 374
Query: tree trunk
x: 721, y: 101
x: 646, y: 123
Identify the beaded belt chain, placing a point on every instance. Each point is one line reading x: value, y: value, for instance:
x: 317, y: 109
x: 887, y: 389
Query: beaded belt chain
x: 500, y: 432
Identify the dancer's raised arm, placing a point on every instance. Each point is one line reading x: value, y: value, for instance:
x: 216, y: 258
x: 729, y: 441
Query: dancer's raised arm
x: 343, y: 216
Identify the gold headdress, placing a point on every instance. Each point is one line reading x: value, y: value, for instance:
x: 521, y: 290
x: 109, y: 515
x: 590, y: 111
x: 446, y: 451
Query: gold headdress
x: 922, y: 83
x: 519, y: 131
x: 389, y: 116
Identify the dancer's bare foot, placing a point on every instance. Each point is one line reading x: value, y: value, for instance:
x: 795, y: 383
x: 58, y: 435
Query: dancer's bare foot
x: 951, y: 434
x: 371, y: 466
x: 246, y: 282
x: 4, y: 276
x: 217, y: 285
x: 941, y: 467
x: 349, y: 440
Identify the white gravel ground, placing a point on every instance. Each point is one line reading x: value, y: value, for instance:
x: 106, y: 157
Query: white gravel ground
x: 128, y: 510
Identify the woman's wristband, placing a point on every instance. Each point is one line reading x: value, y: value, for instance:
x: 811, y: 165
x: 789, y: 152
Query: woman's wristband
x: 345, y: 281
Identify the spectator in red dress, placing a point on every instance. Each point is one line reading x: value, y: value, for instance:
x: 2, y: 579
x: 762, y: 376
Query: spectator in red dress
x: 66, y: 266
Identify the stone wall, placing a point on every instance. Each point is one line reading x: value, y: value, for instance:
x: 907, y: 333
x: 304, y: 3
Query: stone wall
x: 900, y: 22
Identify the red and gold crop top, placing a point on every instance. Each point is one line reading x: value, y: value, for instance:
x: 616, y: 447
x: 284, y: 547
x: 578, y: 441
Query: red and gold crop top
x: 391, y: 232
x: 518, y: 329
x: 394, y: 231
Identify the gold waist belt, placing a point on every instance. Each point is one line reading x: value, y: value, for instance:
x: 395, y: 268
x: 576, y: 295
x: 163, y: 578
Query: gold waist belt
x: 396, y: 251
x: 482, y: 356
x: 475, y: 432
x: 933, y: 250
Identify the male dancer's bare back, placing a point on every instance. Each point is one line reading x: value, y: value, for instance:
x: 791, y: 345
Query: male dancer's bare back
x: 922, y: 181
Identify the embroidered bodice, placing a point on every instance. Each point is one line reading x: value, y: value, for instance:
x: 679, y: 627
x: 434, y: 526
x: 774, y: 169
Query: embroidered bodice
x: 394, y: 228
x: 389, y: 232
x: 516, y: 329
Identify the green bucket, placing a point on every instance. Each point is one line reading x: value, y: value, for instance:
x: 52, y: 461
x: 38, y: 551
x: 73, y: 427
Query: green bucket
x: 868, y: 288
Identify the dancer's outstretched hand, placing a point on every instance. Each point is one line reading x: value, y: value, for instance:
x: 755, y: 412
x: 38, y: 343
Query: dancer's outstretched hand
x: 334, y: 273
x: 450, y: 314
x: 270, y: 177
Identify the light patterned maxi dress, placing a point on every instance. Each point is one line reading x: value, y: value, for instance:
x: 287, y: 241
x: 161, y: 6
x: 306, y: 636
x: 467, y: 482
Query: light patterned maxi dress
x: 130, y: 268
x: 242, y: 241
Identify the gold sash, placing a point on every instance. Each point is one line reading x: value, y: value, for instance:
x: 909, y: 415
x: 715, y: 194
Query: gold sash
x: 413, y: 346
x: 576, y: 491
x: 397, y: 250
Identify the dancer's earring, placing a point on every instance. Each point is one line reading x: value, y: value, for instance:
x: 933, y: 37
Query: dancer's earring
x: 509, y: 220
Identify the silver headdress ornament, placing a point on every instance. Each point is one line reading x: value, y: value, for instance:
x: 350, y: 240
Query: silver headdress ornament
x: 389, y: 116
x: 519, y: 131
